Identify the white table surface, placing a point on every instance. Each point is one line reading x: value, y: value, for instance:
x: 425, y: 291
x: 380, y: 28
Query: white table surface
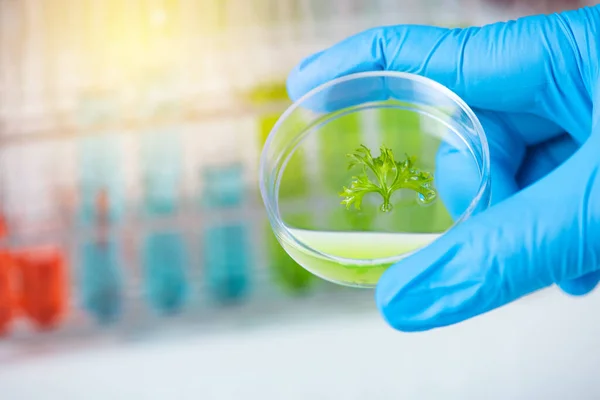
x: 544, y: 347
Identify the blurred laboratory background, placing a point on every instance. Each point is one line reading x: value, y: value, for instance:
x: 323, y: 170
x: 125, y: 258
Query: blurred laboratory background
x: 130, y: 216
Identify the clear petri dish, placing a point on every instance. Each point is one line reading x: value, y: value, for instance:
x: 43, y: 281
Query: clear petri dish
x: 394, y: 161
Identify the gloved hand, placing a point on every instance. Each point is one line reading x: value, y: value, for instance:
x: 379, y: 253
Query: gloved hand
x: 534, y: 85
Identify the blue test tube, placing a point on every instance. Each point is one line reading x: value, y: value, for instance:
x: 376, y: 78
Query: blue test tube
x: 101, y: 280
x: 226, y: 259
x: 163, y: 253
x: 225, y: 249
x: 102, y: 205
x: 164, y: 260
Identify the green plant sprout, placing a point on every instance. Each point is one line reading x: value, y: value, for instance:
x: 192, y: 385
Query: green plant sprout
x: 390, y: 176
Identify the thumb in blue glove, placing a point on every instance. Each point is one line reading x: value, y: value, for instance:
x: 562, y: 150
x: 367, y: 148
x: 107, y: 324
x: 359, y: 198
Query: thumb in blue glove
x: 533, y: 84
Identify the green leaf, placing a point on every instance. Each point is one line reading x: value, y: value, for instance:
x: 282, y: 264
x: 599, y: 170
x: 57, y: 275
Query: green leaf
x: 391, y: 176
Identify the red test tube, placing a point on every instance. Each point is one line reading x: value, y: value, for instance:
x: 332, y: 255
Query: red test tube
x: 43, y: 281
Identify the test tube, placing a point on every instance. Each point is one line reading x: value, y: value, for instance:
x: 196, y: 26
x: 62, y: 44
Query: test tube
x: 42, y: 276
x: 164, y: 257
x: 225, y: 249
x: 223, y: 197
x: 101, y: 280
x: 164, y: 260
x: 226, y: 252
x: 102, y: 207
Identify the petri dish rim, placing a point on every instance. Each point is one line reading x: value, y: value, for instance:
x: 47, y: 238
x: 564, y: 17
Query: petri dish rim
x: 282, y: 232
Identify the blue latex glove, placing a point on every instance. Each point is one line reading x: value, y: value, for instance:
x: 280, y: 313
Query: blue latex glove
x: 534, y: 85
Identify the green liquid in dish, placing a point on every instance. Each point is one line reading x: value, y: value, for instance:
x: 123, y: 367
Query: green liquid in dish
x: 364, y: 247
